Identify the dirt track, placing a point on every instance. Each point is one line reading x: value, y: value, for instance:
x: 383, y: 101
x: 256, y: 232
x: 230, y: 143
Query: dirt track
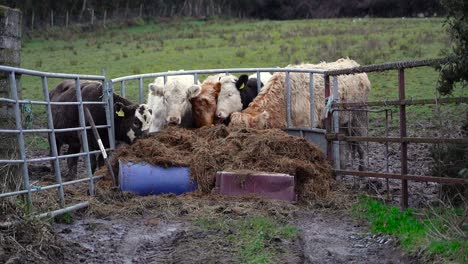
x: 325, y: 237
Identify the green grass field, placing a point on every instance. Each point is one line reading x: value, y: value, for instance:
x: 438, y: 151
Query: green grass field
x: 193, y: 44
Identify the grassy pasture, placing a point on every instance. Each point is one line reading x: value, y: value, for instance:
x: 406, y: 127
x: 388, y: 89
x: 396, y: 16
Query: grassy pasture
x: 193, y: 44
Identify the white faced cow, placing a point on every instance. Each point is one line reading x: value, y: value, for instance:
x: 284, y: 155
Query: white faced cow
x: 170, y: 102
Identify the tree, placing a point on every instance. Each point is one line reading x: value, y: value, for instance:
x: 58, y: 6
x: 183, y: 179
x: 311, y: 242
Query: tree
x: 456, y: 69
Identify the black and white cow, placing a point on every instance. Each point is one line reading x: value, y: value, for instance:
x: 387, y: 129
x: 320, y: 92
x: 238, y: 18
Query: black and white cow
x: 237, y: 93
x: 131, y: 121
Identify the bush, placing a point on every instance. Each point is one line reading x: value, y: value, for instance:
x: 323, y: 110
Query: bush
x: 451, y: 161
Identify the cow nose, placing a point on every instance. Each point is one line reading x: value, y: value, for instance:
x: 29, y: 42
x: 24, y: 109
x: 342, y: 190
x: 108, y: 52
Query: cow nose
x: 174, y: 120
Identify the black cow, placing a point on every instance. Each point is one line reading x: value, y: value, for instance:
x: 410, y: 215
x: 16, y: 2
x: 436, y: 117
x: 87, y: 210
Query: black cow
x: 131, y: 121
x: 248, y: 89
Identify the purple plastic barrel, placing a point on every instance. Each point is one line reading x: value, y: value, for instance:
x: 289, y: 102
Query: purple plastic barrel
x: 146, y: 179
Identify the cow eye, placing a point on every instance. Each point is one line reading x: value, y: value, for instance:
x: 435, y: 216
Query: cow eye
x: 136, y: 123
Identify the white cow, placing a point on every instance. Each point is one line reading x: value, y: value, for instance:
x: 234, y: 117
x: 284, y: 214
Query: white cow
x: 170, y: 102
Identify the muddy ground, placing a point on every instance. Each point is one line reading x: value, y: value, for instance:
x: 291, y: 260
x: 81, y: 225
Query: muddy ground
x: 325, y: 237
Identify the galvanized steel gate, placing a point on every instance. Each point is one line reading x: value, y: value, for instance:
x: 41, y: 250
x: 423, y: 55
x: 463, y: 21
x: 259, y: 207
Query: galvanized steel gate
x: 27, y: 188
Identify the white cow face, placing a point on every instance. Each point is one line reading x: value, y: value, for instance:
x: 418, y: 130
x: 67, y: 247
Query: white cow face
x: 229, y: 99
x: 176, y: 99
x: 155, y: 102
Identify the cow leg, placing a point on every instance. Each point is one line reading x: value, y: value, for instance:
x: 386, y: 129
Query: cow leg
x: 73, y: 162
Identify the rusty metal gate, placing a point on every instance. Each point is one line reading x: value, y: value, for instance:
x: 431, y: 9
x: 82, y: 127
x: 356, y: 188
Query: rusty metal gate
x: 334, y: 137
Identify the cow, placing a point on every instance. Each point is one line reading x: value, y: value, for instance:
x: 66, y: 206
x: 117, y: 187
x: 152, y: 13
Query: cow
x: 170, y: 102
x: 237, y: 93
x: 204, y: 105
x: 268, y: 109
x: 131, y: 121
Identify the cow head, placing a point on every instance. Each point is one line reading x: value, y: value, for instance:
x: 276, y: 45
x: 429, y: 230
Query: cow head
x: 204, y: 105
x: 229, y: 99
x: 131, y: 121
x: 176, y: 99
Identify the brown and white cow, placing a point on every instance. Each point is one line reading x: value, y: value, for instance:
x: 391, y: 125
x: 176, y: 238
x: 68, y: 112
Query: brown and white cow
x: 204, y: 105
x: 131, y: 121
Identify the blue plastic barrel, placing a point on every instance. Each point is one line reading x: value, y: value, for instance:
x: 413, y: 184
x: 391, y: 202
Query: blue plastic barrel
x: 146, y: 179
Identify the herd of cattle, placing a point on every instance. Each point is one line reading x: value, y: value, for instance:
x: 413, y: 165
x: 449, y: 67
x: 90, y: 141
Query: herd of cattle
x: 221, y: 98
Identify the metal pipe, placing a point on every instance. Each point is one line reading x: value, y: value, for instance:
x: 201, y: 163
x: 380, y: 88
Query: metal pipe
x: 122, y: 88
x: 328, y: 120
x: 312, y: 99
x: 195, y: 78
x: 453, y: 100
x: 50, y: 75
x: 110, y: 98
x: 336, y: 127
x: 43, y: 188
x: 259, y: 82
x: 215, y: 71
x: 105, y: 99
x: 388, y: 66
x: 63, y: 210
x: 84, y: 136
x: 405, y: 177
x: 288, y: 100
x: 14, y: 94
x: 48, y: 130
x: 45, y: 103
x: 404, y: 145
x: 140, y: 91
x: 342, y: 137
x: 53, y: 143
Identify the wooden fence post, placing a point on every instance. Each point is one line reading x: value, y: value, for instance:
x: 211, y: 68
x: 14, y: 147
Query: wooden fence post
x: 51, y: 18
x: 32, y: 21
x: 66, y: 20
x: 92, y: 16
x: 104, y: 20
x: 141, y: 11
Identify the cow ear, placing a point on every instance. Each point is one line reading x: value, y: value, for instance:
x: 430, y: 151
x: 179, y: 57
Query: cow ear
x: 194, y: 91
x: 242, y: 82
x: 119, y: 109
x: 217, y: 88
x: 156, y: 89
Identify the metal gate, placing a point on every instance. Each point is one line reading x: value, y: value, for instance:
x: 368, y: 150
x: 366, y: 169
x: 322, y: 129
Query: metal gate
x: 27, y: 188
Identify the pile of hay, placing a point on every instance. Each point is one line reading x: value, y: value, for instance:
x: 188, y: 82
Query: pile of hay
x: 208, y: 150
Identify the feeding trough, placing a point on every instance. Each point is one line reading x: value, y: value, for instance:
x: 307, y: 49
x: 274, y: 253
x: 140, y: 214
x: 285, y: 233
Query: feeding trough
x: 146, y: 179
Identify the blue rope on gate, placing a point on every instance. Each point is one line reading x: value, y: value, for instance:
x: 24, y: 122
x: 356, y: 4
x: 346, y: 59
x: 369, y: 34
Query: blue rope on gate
x: 29, y: 116
x: 328, y: 106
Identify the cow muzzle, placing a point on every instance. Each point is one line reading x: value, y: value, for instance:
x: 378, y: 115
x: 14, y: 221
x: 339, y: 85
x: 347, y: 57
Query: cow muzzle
x: 173, y: 120
x: 220, y: 115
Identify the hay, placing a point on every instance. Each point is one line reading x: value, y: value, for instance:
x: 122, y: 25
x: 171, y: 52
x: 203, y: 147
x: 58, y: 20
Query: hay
x: 208, y: 150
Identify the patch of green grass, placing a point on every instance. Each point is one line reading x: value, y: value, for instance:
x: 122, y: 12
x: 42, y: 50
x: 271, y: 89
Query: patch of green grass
x: 66, y: 218
x: 436, y: 231
x: 251, y: 237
